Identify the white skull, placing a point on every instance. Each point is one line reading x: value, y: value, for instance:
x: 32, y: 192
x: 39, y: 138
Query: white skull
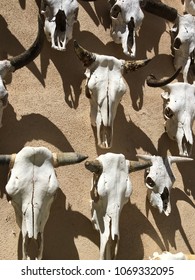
x: 60, y: 16
x: 159, y: 180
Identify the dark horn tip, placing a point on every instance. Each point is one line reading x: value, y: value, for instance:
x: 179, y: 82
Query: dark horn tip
x: 81, y: 157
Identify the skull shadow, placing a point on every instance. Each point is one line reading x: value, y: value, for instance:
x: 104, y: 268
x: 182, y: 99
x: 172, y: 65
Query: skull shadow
x: 62, y: 227
x: 29, y: 127
x: 169, y: 225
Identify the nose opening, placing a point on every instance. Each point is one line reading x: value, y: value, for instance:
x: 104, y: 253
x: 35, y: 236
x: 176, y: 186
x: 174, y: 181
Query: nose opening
x: 105, y: 137
x: 186, y: 146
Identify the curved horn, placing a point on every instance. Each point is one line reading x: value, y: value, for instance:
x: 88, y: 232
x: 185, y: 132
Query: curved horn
x: 133, y: 65
x: 85, y: 56
x: 94, y: 166
x: 159, y: 9
x: 136, y: 166
x: 174, y: 159
x: 153, y: 82
x: 29, y: 55
x: 61, y: 159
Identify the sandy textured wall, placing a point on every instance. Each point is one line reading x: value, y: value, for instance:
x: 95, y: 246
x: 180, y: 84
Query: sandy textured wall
x: 48, y: 107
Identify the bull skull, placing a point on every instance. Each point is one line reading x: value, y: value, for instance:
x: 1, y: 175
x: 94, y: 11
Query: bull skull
x: 31, y: 189
x: 159, y: 180
x: 105, y: 87
x: 110, y: 191
x: 179, y: 111
x: 183, y: 33
x: 18, y: 62
x: 127, y: 17
x: 60, y: 16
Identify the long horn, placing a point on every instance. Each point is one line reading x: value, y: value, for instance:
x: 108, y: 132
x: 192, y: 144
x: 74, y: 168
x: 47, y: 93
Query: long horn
x: 94, y: 166
x: 153, y: 82
x: 159, y: 9
x: 29, y: 55
x: 136, y: 166
x: 174, y: 159
x: 133, y: 65
x: 145, y: 157
x: 61, y: 159
x: 85, y: 56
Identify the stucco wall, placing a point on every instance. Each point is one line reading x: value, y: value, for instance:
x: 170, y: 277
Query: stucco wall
x: 48, y: 107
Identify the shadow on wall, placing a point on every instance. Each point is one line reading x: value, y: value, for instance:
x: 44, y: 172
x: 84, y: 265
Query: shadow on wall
x: 29, y: 127
x: 127, y: 137
x: 10, y: 46
x: 131, y: 230
x: 63, y: 226
x: 169, y: 225
x: 186, y: 169
x: 23, y: 3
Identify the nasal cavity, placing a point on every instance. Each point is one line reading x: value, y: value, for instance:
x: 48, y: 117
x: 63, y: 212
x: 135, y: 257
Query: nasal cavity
x: 61, y: 21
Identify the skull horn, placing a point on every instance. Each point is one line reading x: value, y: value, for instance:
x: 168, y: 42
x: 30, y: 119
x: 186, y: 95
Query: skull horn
x: 136, y: 166
x: 174, y: 159
x: 94, y: 166
x: 61, y: 159
x: 159, y: 9
x: 85, y: 56
x: 133, y: 65
x: 29, y: 55
x: 153, y: 82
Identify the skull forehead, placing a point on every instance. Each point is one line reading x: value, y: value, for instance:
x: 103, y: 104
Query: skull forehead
x: 66, y: 5
x: 129, y: 8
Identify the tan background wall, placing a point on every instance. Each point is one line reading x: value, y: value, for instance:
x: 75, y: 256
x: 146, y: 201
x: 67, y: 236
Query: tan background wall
x: 48, y: 107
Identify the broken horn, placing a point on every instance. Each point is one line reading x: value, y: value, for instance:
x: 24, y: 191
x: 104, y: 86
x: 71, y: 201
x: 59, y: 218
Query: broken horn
x: 159, y: 9
x: 153, y: 82
x: 136, y: 166
x: 30, y: 54
x: 94, y: 166
x: 85, y: 56
x: 174, y: 159
x: 61, y: 159
x: 133, y: 65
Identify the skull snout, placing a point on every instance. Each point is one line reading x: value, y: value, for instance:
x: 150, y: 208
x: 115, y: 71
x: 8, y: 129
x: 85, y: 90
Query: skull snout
x: 105, y: 137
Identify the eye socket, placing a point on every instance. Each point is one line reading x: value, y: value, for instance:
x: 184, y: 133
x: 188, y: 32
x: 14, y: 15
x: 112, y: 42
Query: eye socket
x: 168, y: 113
x: 150, y: 182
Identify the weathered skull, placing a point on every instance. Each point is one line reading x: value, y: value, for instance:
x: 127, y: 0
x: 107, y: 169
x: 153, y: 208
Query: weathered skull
x: 105, y: 87
x: 127, y: 17
x: 31, y: 189
x: 179, y: 111
x: 110, y: 191
x: 183, y: 33
x: 18, y: 62
x: 60, y: 16
x: 159, y: 180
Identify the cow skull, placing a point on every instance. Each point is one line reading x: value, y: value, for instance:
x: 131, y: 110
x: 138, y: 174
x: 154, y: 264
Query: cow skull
x: 127, y: 17
x: 60, y: 16
x: 183, y: 33
x: 10, y: 65
x: 31, y: 188
x: 179, y: 111
x: 110, y: 191
x: 105, y: 87
x: 159, y: 180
